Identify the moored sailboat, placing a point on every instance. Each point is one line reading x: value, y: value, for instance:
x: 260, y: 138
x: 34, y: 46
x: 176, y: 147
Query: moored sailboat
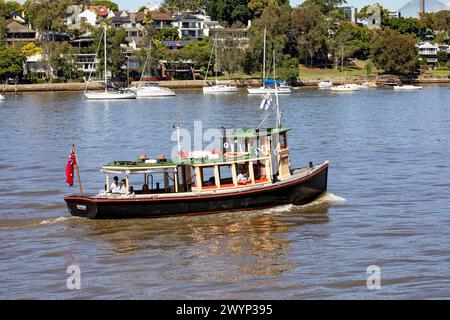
x: 108, y: 95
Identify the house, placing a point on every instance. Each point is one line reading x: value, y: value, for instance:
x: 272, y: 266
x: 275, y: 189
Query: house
x: 394, y: 14
x: 86, y: 62
x: 194, y: 26
x: 73, y: 22
x: 130, y: 21
x: 15, y: 32
x: 234, y: 37
x: 428, y: 52
x: 160, y: 20
x: 35, y: 66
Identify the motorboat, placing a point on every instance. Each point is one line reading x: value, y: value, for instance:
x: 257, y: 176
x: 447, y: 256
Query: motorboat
x: 325, y: 84
x: 345, y: 88
x: 364, y: 85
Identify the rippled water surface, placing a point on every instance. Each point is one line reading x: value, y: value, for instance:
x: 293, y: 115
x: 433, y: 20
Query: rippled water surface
x: 388, y: 202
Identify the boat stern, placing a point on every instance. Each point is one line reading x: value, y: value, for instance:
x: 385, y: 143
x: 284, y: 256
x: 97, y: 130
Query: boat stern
x: 81, y: 206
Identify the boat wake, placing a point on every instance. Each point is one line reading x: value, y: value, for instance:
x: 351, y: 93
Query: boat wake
x: 324, y: 201
x: 54, y: 220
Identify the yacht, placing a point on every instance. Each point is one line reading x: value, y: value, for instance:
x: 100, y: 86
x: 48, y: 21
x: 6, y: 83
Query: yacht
x: 108, y: 95
x: 407, y: 87
x: 216, y: 88
x: 152, y: 90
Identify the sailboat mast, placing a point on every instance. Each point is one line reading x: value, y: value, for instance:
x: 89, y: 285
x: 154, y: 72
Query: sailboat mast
x: 276, y: 93
x: 215, y: 50
x: 106, y: 79
x: 264, y: 56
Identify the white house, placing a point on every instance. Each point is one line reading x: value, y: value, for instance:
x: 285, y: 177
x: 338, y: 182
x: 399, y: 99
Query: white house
x: 79, y: 15
x: 428, y: 52
x: 194, y: 26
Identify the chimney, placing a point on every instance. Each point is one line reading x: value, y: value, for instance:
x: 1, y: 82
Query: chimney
x: 422, y: 6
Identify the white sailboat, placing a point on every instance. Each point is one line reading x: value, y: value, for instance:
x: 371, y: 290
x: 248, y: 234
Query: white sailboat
x: 348, y: 87
x: 2, y: 98
x: 150, y: 90
x: 108, y: 95
x: 407, y: 87
x: 269, y: 85
x: 216, y: 88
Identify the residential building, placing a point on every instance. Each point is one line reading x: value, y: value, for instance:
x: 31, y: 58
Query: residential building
x: 130, y: 21
x: 86, y: 62
x: 78, y: 15
x: 15, y: 32
x: 160, y: 20
x: 35, y: 67
x: 350, y: 13
x: 428, y: 52
x: 194, y: 26
x: 394, y: 14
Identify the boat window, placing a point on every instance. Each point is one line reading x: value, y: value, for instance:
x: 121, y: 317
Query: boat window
x: 226, y: 175
x: 208, y: 179
x: 283, y: 140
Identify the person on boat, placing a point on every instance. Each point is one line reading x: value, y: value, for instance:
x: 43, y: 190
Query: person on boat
x: 123, y: 187
x: 242, y: 178
x: 145, y: 189
x: 115, y: 185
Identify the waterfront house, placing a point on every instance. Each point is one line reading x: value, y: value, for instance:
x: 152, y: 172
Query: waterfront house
x: 428, y: 52
x: 35, y: 67
x: 160, y: 20
x: 194, y: 26
x: 17, y: 33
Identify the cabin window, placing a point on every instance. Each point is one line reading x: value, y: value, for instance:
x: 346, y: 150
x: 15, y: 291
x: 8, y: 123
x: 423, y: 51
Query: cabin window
x: 226, y: 176
x: 283, y: 141
x: 207, y: 176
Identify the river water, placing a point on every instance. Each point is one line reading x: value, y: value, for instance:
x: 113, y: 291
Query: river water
x: 388, y: 202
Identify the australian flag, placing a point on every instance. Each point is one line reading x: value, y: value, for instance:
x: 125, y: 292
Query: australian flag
x: 265, y: 104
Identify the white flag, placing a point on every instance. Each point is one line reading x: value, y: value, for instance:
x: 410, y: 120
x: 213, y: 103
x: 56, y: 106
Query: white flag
x: 265, y: 104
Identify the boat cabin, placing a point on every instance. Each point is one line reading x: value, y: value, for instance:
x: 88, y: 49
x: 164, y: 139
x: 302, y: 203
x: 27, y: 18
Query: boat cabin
x: 248, y: 157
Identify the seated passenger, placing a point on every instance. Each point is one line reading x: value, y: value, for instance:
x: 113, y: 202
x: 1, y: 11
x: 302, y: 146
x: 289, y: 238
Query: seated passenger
x: 242, y: 178
x: 114, y: 188
x: 123, y: 187
x: 145, y: 189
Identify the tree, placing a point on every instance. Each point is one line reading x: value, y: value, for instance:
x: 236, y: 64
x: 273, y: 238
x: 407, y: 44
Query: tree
x: 46, y: 15
x: 406, y: 25
x: 442, y: 57
x: 30, y: 49
x: 183, y: 5
x: 12, y: 8
x: 394, y: 52
x: 326, y: 6
x: 310, y: 33
x: 62, y: 59
x: 112, y: 5
x: 115, y: 56
x: 11, y: 61
x: 198, y: 51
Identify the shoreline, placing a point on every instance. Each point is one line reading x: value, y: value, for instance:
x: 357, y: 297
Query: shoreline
x: 198, y: 84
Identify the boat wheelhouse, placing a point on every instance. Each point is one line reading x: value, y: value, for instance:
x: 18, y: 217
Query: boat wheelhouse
x: 252, y: 170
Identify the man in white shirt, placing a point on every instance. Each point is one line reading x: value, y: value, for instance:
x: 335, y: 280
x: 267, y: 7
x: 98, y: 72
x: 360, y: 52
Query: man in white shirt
x: 242, y: 178
x: 114, y: 188
x: 123, y: 187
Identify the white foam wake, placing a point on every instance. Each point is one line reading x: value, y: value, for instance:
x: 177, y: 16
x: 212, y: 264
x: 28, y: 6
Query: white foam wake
x: 54, y: 220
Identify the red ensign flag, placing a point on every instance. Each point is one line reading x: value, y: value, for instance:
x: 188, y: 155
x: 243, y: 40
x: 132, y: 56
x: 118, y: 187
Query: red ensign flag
x: 69, y: 168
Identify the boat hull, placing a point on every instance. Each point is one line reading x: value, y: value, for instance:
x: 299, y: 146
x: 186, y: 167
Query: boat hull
x: 219, y: 89
x: 108, y: 96
x: 154, y: 92
x: 295, y: 191
x: 268, y: 90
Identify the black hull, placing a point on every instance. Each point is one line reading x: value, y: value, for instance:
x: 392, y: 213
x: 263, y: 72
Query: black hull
x: 295, y: 191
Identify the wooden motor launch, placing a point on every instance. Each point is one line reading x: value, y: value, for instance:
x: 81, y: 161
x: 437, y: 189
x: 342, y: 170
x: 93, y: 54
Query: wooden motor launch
x: 253, y: 170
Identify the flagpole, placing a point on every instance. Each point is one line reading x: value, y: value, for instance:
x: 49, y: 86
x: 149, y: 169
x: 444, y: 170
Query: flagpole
x: 76, y: 167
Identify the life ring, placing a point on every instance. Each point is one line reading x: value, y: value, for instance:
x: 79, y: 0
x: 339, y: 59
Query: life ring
x: 226, y: 145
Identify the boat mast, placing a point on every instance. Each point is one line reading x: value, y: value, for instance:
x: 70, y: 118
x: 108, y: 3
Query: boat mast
x: 264, y: 56
x: 278, y: 124
x: 216, y: 65
x: 106, y: 79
